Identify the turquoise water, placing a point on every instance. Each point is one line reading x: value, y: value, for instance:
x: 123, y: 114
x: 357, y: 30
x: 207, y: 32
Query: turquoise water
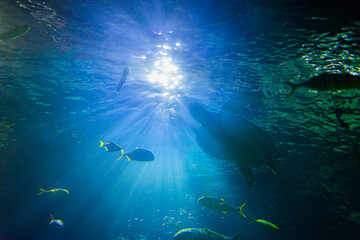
x: 58, y: 98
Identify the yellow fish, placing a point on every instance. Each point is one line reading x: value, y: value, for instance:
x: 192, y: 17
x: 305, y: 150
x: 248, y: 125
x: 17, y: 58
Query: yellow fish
x: 57, y: 222
x: 55, y: 192
x: 261, y: 222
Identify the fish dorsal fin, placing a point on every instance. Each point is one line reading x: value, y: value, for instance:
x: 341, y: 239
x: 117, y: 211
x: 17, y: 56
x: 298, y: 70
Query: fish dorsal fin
x: 247, y: 173
x: 208, y: 231
x: 292, y: 86
x: 269, y: 163
x: 237, y: 235
x: 207, y: 192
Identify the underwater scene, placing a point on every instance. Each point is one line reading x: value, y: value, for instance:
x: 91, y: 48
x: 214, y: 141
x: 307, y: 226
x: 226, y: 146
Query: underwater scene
x: 179, y: 119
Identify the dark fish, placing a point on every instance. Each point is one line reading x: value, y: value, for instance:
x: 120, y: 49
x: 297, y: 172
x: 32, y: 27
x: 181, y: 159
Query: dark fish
x: 202, y: 234
x: 14, y: 33
x: 123, y: 79
x: 328, y: 81
x: 139, y: 154
x: 110, y: 147
x: 232, y: 138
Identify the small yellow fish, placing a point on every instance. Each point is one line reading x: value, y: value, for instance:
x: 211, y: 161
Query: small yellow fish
x: 261, y: 222
x: 57, y: 222
x: 55, y: 192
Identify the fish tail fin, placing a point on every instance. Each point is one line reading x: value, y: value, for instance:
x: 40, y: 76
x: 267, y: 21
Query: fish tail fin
x: 292, y: 86
x: 237, y: 235
x: 207, y: 192
x: 52, y: 219
x: 240, y: 210
x: 269, y: 162
x: 122, y: 154
x: 101, y: 143
x: 41, y: 191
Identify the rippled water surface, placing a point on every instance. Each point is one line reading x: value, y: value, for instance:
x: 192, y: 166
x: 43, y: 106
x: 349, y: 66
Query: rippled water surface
x: 58, y: 98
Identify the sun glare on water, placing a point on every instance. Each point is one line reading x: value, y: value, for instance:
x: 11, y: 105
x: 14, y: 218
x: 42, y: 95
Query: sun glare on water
x: 165, y: 73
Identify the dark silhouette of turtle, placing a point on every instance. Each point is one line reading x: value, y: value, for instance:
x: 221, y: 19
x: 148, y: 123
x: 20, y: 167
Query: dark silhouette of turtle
x: 228, y: 137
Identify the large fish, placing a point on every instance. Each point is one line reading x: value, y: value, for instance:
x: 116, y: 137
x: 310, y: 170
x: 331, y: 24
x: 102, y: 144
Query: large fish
x: 229, y: 137
x: 14, y: 33
x: 123, y: 79
x: 327, y: 82
x: 202, y: 234
x: 217, y: 204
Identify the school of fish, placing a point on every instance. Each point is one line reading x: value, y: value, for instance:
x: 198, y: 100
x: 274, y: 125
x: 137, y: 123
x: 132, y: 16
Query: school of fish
x: 224, y: 136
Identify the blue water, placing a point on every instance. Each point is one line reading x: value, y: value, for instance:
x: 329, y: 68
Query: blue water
x: 58, y: 99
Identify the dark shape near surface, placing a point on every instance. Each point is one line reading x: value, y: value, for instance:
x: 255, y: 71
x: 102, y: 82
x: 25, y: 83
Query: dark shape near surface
x: 14, y: 33
x: 203, y: 234
x: 123, y: 79
x: 110, y: 146
x: 139, y: 154
x: 230, y: 137
x: 327, y: 82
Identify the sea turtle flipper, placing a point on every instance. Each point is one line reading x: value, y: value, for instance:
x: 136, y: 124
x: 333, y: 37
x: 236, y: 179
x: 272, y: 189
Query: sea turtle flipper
x: 247, y: 173
x: 268, y: 162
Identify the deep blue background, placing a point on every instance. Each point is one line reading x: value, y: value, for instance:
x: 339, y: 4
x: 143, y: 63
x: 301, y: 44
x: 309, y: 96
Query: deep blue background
x: 58, y: 99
